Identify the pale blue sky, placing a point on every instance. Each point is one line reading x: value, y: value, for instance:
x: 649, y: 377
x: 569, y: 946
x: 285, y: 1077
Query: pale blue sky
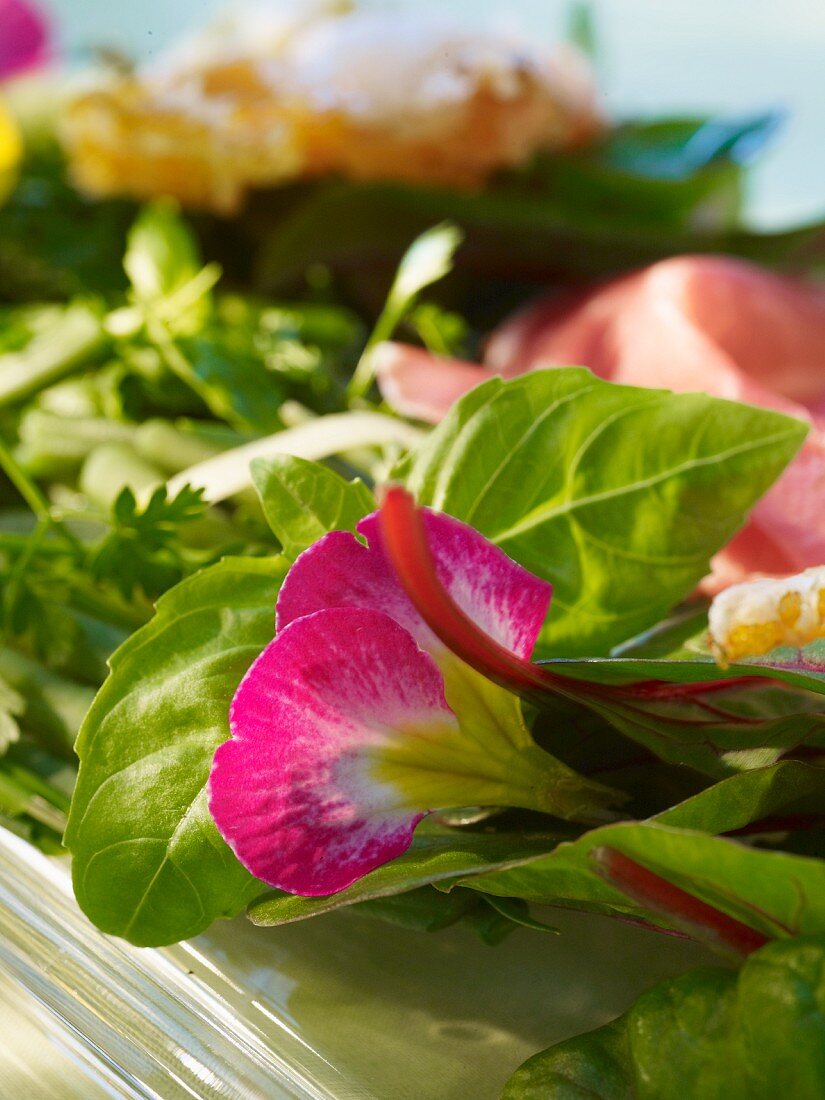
x: 659, y: 56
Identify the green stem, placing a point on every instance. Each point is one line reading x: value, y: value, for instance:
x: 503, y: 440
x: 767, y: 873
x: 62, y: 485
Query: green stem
x: 362, y: 378
x: 180, y: 366
x: 32, y: 495
x: 24, y: 485
x: 71, y: 342
x: 18, y: 544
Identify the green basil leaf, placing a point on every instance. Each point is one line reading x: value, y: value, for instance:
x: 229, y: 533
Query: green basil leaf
x: 149, y: 864
x: 304, y: 500
x: 709, y: 1034
x: 617, y: 495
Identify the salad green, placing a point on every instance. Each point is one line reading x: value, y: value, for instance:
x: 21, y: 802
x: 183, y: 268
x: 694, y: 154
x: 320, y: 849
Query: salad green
x: 135, y: 377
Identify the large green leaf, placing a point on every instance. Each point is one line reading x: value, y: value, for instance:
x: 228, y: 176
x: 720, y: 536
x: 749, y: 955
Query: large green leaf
x: 709, y: 1034
x: 149, y: 864
x: 304, y: 500
x: 515, y: 233
x: 617, y: 495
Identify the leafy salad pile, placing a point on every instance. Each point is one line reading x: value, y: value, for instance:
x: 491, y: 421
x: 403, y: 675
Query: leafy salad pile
x: 141, y: 557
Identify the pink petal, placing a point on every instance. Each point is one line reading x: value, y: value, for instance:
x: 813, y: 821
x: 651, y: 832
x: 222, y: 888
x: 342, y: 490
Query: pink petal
x: 23, y: 38
x: 291, y: 791
x: 506, y: 601
x: 420, y: 385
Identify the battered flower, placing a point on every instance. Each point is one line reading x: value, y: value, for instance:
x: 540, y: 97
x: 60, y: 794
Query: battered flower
x: 748, y: 620
x: 275, y: 96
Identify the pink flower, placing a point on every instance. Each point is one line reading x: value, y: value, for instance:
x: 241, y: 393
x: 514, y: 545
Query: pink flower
x: 23, y: 38
x: 356, y: 721
x: 691, y: 323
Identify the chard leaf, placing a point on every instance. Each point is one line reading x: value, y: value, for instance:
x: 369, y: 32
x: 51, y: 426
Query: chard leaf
x: 726, y: 729
x: 445, y: 855
x: 722, y: 731
x: 617, y: 495
x: 149, y: 864
x: 753, y: 796
x: 437, y: 854
x: 774, y: 892
x: 709, y: 1033
x: 304, y: 500
x: 801, y: 668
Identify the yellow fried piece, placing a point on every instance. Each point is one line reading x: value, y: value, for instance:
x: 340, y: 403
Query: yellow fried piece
x: 371, y: 95
x: 747, y: 620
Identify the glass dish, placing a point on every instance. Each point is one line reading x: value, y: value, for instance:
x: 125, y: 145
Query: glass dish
x: 336, y: 1008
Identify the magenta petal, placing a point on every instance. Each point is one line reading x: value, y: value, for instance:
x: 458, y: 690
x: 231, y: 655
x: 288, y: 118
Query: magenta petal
x: 23, y: 38
x: 505, y: 600
x: 292, y: 791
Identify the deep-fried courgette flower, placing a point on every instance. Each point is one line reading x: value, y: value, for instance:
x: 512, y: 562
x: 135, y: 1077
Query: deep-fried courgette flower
x: 357, y: 721
x: 23, y: 45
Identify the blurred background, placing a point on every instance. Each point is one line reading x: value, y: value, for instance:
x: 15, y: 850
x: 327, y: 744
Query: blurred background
x: 682, y: 56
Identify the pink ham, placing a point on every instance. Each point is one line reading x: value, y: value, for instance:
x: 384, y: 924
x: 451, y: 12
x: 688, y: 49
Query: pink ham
x: 690, y: 323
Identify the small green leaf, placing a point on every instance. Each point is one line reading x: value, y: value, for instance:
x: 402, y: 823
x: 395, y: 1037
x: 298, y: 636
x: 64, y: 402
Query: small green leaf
x: 304, y: 500
x: 161, y: 253
x: 428, y: 259
x: 142, y: 550
x: 708, y: 1034
x: 149, y: 864
x: 617, y: 495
